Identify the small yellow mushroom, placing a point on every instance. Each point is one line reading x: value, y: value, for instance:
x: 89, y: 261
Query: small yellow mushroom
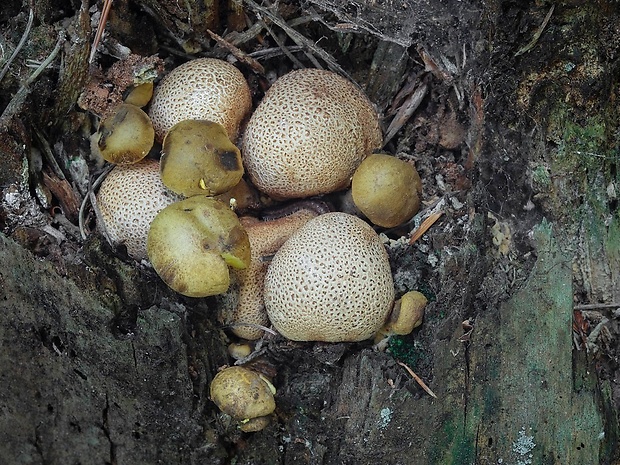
x: 386, y: 190
x: 406, y: 315
x: 125, y: 136
x: 245, y: 395
x: 191, y: 243
x: 198, y: 158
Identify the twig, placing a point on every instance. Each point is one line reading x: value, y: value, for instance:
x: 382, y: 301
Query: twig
x: 300, y: 39
x: 405, y: 112
x: 21, y: 43
x: 254, y: 326
x: 418, y: 380
x: 237, y: 53
x: 90, y: 197
x: 596, y: 306
x: 103, y: 19
x: 282, y: 47
x: 426, y: 224
x: 20, y: 96
x: 273, y: 52
x: 537, y: 34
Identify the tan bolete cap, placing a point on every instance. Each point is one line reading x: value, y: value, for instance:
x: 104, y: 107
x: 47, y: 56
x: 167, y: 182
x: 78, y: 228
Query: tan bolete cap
x: 129, y: 199
x: 386, y: 190
x: 204, y: 88
x: 309, y: 134
x: 331, y: 281
x: 407, y: 314
x: 242, y: 393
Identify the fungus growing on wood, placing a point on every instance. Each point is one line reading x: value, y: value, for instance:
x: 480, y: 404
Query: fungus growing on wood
x: 199, y: 158
x: 128, y: 200
x: 191, y: 244
x: 331, y: 281
x: 309, y: 134
x: 125, y: 136
x: 204, y: 88
x: 247, y: 312
x: 386, y: 190
x: 245, y: 395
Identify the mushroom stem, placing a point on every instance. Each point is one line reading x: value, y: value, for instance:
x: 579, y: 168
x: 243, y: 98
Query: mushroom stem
x: 266, y: 237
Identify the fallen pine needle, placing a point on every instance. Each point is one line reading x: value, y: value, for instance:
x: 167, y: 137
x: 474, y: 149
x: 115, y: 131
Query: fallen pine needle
x: 418, y: 380
x: 426, y: 224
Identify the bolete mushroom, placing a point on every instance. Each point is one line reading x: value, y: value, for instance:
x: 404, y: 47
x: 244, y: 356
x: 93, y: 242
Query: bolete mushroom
x: 192, y: 242
x: 386, y: 190
x: 204, y: 88
x: 406, y: 315
x: 331, y: 281
x: 309, y: 134
x: 244, y: 394
x: 125, y: 136
x: 128, y: 200
x: 197, y: 158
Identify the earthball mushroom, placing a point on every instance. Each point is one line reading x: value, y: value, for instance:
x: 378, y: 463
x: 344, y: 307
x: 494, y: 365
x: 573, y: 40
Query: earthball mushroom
x: 309, y: 134
x: 243, y: 394
x: 191, y: 244
x: 204, y: 88
x: 128, y: 200
x: 330, y: 281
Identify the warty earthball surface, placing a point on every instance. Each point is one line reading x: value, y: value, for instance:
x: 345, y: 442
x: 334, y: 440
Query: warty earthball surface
x: 330, y: 281
x: 204, y: 88
x: 308, y: 135
x: 128, y: 200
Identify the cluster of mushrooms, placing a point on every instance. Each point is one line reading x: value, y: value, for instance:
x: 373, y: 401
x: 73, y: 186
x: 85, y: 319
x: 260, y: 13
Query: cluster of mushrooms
x: 313, y: 275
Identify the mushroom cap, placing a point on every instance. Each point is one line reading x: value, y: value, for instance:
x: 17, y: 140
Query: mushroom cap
x: 198, y: 158
x: 407, y: 313
x: 331, y: 281
x: 242, y: 393
x: 309, y: 134
x: 125, y: 136
x: 204, y: 88
x: 129, y: 199
x: 192, y: 242
x: 386, y: 190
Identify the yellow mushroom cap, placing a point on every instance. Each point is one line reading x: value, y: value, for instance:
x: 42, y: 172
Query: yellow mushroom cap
x: 309, y: 134
x: 204, y: 88
x: 198, y: 158
x: 242, y: 393
x: 331, y: 281
x: 407, y: 313
x: 386, y: 190
x: 125, y: 136
x: 129, y: 199
x: 192, y: 242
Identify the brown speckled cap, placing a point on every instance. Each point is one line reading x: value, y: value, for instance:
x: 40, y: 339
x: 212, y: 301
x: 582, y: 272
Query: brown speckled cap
x: 331, y: 281
x: 309, y: 134
x: 204, y: 88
